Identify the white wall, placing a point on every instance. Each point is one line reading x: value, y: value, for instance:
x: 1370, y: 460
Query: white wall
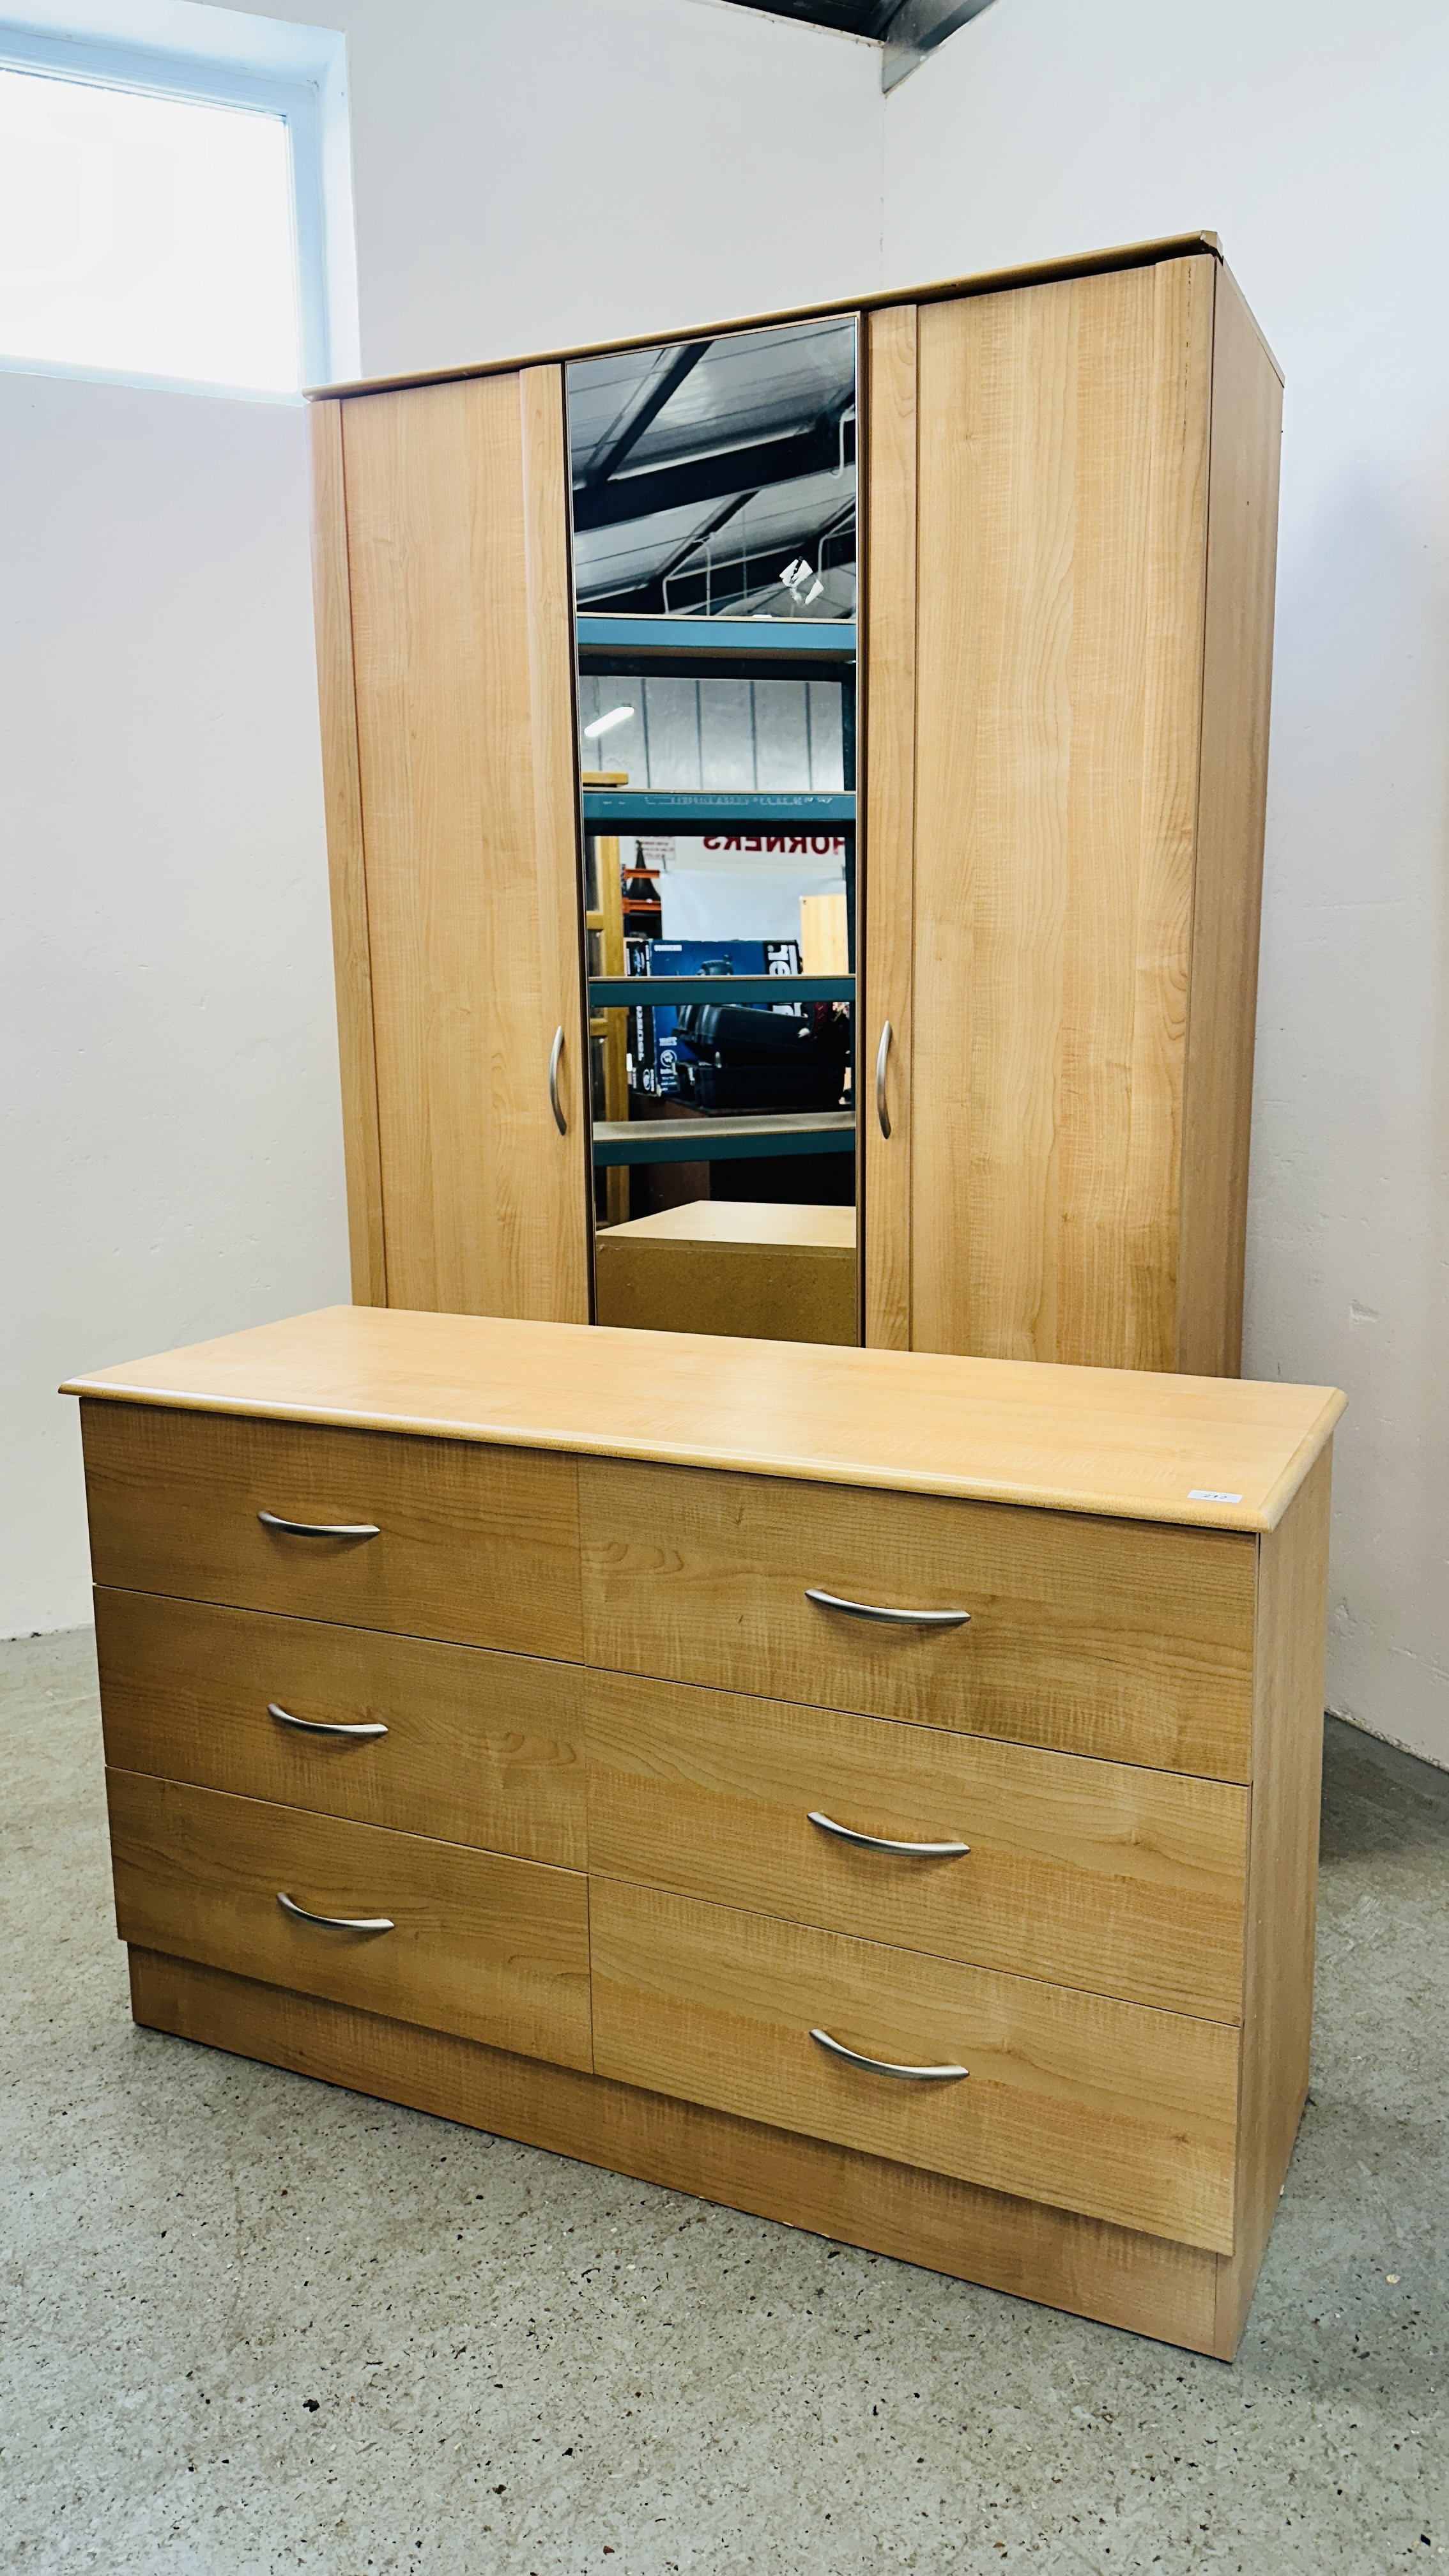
x: 1313, y: 140
x: 535, y: 174
x: 527, y: 173
x: 173, y: 1153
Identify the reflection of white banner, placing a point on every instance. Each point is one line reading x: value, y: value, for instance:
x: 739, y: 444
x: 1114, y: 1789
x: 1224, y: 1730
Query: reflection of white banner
x: 820, y: 853
x: 737, y: 885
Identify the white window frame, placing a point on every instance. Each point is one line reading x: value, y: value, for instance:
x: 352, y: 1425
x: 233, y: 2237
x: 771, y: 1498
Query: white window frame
x: 311, y: 101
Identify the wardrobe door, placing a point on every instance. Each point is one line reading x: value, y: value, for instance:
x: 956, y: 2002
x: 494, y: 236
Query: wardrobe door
x: 456, y: 504
x: 1060, y: 456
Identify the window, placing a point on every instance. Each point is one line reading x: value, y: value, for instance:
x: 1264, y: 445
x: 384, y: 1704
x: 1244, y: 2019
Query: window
x: 163, y: 220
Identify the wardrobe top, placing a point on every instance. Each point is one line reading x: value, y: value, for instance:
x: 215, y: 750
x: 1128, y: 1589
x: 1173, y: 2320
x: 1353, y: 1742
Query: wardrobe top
x: 1221, y: 1452
x: 997, y: 281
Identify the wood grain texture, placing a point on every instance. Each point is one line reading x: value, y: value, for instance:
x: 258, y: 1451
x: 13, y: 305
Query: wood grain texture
x: 1142, y: 2283
x: 1094, y: 1874
x: 485, y: 1947
x: 480, y: 1748
x: 1076, y: 2100
x: 824, y: 935
x: 1200, y: 1451
x: 1282, y: 1877
x: 476, y: 1546
x: 342, y: 788
x: 725, y: 1266
x: 463, y: 649
x: 888, y: 876
x: 1132, y: 1645
x: 1063, y: 502
x: 1242, y: 547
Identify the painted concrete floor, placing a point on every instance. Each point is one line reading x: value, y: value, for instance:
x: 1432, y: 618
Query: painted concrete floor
x: 251, y: 2324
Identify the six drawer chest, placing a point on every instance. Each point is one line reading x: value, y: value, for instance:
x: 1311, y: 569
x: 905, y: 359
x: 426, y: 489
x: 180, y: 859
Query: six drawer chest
x: 872, y: 1789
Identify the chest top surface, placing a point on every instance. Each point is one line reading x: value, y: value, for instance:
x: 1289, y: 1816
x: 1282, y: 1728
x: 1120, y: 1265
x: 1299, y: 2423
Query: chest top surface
x: 1219, y: 1453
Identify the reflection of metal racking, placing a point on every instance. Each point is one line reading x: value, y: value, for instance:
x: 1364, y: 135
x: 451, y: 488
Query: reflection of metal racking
x: 604, y: 922
x: 737, y: 648
x: 681, y: 809
x: 607, y: 992
x: 724, y: 1140
x: 759, y: 648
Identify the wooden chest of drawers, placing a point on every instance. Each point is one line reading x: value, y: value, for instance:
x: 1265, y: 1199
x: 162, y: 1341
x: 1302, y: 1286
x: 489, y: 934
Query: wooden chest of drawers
x: 876, y: 1790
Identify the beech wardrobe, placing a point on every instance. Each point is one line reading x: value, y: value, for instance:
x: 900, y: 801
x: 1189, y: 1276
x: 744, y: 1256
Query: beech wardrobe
x: 809, y: 774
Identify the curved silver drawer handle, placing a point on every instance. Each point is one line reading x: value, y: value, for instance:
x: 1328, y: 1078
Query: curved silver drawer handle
x: 320, y: 1529
x: 882, y: 1113
x: 880, y: 1842
x: 892, y: 1618
x: 321, y: 1726
x: 883, y: 2066
x: 555, y: 1060
x: 336, y: 1922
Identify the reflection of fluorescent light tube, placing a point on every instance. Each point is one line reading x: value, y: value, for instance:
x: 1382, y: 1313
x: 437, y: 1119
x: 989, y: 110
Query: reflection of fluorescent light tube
x: 606, y: 724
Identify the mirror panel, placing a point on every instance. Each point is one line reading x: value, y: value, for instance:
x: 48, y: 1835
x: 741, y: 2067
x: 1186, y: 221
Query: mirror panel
x: 714, y: 528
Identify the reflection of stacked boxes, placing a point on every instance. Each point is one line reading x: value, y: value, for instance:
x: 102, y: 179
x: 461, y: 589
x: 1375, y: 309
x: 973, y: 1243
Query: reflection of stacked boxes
x: 729, y: 1057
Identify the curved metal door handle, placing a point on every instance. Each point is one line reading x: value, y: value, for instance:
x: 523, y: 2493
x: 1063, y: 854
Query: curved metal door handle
x: 321, y: 1726
x: 320, y: 1529
x: 883, y: 1115
x: 891, y: 1618
x: 336, y: 1922
x: 883, y: 2065
x: 880, y: 1842
x: 555, y: 1060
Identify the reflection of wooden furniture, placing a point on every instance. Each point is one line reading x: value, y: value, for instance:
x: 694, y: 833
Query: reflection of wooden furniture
x: 1072, y: 515
x: 732, y: 1266
x: 646, y: 1815
x: 445, y: 659
x: 1069, y: 509
x: 609, y: 1029
x: 824, y: 935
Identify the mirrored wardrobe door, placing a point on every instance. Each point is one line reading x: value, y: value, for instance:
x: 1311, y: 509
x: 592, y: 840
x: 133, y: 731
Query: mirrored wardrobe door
x: 714, y: 518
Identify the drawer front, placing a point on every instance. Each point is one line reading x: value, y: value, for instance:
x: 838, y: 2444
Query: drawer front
x: 1107, y: 2108
x: 1121, y: 1639
x: 1126, y: 1881
x: 488, y: 1948
x: 476, y: 1545
x: 479, y: 1747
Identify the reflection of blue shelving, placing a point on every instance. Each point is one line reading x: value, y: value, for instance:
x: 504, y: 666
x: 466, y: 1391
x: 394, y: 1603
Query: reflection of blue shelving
x: 721, y: 1140
x: 667, y: 809
x: 611, y: 992
x: 743, y: 639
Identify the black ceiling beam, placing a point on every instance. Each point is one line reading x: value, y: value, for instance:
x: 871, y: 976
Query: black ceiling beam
x: 914, y: 29
x: 845, y: 17
x: 664, y: 387
x: 909, y: 30
x: 713, y: 478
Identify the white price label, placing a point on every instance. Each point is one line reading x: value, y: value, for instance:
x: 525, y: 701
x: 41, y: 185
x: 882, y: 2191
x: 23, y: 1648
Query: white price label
x: 1205, y: 1494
